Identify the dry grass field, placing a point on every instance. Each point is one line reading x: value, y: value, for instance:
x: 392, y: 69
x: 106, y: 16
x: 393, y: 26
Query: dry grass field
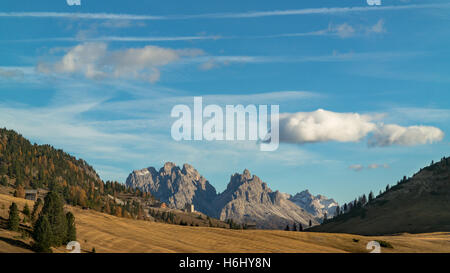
x: 112, y: 234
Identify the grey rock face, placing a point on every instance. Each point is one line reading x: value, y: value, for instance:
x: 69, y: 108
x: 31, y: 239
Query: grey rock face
x: 316, y: 205
x: 249, y: 200
x: 177, y: 187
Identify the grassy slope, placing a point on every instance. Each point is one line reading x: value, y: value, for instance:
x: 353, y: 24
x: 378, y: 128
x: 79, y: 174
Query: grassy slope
x: 419, y: 205
x: 111, y: 234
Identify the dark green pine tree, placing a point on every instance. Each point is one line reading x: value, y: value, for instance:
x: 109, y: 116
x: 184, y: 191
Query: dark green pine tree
x: 42, y: 234
x: 71, y: 230
x: 3, y: 169
x: 54, y: 210
x: 371, y: 196
x: 300, y: 227
x: 26, y: 210
x: 287, y: 228
x: 37, y: 206
x: 310, y: 223
x: 3, y: 181
x: 13, y: 220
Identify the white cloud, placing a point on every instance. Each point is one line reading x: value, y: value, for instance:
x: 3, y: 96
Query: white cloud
x: 324, y: 126
x: 378, y: 166
x: 356, y: 167
x: 377, y: 28
x: 208, y: 65
x: 344, y: 30
x: 392, y: 134
x: 373, y: 166
x: 11, y: 73
x: 249, y: 14
x: 95, y: 61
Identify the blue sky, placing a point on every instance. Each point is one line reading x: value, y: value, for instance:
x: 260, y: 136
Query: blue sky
x: 99, y: 81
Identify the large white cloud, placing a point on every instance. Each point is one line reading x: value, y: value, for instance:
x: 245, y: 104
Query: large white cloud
x: 95, y: 61
x: 324, y: 126
x: 391, y: 134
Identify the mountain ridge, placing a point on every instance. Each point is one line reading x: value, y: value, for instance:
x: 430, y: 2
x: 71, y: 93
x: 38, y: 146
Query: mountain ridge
x: 246, y: 199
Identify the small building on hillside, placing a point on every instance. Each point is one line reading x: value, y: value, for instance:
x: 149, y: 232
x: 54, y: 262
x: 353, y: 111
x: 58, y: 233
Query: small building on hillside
x: 189, y: 208
x: 31, y: 195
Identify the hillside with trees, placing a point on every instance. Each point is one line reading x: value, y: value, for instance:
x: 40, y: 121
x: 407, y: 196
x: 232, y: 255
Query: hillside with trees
x: 414, y: 205
x: 30, y: 166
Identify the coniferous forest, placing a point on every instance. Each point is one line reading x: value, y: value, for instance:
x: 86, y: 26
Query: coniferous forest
x: 30, y: 166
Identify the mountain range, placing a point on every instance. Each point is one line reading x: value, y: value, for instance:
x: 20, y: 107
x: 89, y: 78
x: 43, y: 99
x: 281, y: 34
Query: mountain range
x: 247, y: 199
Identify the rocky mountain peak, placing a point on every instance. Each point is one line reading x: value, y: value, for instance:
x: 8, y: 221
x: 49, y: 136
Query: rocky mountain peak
x: 167, y: 168
x: 176, y: 187
x: 248, y: 199
x: 188, y: 169
x: 316, y: 205
x: 237, y: 180
x: 246, y: 174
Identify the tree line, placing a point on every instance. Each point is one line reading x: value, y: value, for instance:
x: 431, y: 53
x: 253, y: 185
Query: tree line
x: 52, y: 226
x: 358, y: 204
x: 30, y: 166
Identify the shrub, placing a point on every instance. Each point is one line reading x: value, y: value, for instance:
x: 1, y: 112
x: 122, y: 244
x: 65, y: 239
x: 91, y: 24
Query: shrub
x: 384, y: 244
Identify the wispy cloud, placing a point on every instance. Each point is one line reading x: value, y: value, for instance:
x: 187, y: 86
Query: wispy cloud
x: 336, y: 10
x: 356, y: 167
x: 343, y: 30
x: 115, y: 146
x: 373, y: 166
x: 107, y: 16
x: 11, y: 73
x: 249, y: 14
x: 121, y: 39
x: 210, y: 62
x: 377, y: 166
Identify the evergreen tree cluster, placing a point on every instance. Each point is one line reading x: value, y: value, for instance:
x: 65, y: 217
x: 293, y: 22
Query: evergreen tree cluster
x: 53, y: 227
x: 233, y: 225
x: 295, y: 227
x: 166, y: 217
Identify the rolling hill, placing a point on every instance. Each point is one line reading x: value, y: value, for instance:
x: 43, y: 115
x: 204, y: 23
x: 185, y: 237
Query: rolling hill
x: 415, y: 205
x: 107, y: 233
